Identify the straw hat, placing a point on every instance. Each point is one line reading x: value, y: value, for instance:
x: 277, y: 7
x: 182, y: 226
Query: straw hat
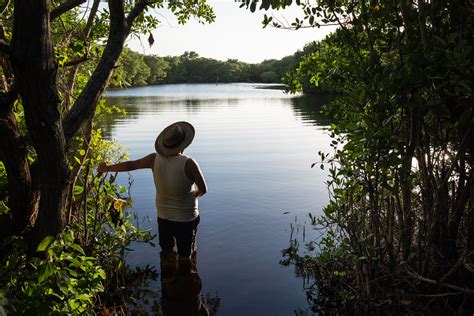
x: 175, y: 138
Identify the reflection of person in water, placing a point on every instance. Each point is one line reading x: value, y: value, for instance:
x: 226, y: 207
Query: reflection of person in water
x: 179, y: 182
x: 181, y: 293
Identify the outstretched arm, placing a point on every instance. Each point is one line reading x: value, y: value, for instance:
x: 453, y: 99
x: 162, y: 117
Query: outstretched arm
x: 142, y: 163
x: 193, y: 173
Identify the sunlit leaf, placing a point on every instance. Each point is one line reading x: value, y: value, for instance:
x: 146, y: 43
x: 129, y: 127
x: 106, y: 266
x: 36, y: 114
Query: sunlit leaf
x: 45, y: 243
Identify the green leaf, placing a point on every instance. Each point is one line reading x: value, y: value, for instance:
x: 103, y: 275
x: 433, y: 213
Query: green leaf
x: 45, y: 243
x: 78, y: 248
x: 78, y: 190
x: 47, y: 272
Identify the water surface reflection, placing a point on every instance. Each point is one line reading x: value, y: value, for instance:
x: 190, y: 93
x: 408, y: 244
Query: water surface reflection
x: 255, y: 147
x: 181, y: 292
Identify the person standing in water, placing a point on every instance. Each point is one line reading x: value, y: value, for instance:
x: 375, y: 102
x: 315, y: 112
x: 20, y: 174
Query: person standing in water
x: 179, y: 182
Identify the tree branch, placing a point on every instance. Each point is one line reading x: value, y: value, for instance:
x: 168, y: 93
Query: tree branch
x: 86, y: 102
x: 442, y: 284
x: 3, y: 9
x: 76, y: 61
x: 137, y: 9
x: 90, y: 19
x: 64, y: 7
x: 13, y: 154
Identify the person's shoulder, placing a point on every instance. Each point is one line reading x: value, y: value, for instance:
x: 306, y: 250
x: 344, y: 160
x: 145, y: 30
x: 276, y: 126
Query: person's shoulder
x: 191, y: 160
x: 153, y: 156
x: 191, y: 164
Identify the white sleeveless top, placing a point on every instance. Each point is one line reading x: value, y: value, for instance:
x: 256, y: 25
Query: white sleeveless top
x: 175, y: 199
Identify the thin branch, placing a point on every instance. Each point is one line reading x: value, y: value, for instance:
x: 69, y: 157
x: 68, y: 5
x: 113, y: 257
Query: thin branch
x: 460, y: 151
x: 5, y: 7
x: 292, y: 28
x: 439, y: 295
x: 66, y: 6
x: 442, y: 284
x: 136, y: 11
x: 90, y: 19
x: 287, y: 26
x: 76, y: 61
x: 85, y: 104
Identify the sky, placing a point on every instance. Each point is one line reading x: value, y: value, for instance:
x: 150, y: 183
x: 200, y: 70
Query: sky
x: 236, y: 33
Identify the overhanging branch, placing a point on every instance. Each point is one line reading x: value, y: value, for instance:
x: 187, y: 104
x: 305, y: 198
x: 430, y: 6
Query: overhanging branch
x: 64, y: 7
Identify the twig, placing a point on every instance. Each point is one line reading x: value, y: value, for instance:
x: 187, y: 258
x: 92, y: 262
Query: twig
x: 5, y: 7
x: 439, y: 295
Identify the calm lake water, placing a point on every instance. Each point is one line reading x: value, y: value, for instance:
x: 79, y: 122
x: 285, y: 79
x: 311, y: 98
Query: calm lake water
x: 255, y: 147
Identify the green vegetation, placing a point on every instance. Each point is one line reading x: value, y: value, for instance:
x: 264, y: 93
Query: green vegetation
x: 64, y: 229
x: 69, y: 274
x: 399, y: 228
x: 136, y: 69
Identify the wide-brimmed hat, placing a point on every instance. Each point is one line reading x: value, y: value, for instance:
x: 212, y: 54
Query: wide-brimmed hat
x: 174, y: 138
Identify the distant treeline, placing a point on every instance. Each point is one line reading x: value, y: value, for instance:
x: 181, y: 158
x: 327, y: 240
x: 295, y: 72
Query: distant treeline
x: 136, y: 69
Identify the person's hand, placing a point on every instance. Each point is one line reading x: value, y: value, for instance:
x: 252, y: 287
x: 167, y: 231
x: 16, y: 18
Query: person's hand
x: 196, y: 191
x: 102, y: 168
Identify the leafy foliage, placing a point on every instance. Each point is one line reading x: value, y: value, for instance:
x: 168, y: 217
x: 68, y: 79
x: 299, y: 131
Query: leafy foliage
x: 69, y: 272
x: 400, y: 224
x: 66, y: 282
x: 136, y: 69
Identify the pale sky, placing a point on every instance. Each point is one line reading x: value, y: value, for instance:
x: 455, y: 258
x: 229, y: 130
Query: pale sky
x: 236, y: 33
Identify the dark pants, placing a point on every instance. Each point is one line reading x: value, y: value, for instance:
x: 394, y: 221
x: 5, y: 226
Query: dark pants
x: 183, y: 232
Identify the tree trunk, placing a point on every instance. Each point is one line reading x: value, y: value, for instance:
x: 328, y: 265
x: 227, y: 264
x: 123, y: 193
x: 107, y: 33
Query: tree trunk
x: 35, y: 69
x: 22, y: 198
